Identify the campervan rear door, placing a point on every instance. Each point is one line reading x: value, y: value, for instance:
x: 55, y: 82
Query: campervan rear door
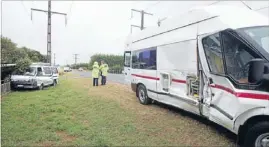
x: 127, y: 67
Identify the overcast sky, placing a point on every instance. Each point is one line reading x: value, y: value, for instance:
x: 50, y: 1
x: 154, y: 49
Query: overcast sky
x: 92, y: 27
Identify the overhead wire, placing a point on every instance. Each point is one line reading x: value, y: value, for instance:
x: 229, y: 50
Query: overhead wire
x: 25, y: 9
x: 246, y: 5
x: 70, y: 8
x: 261, y: 8
x: 69, y: 12
x: 152, y: 5
x: 214, y: 3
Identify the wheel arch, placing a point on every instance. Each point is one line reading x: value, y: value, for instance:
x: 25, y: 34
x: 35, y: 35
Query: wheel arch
x: 242, y: 130
x: 243, y: 118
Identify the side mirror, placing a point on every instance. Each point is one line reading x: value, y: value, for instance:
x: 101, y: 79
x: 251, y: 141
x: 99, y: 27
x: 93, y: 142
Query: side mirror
x: 256, y: 70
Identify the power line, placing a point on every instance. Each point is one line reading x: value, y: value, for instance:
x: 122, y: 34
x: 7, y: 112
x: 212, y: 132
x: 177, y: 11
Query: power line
x: 246, y: 5
x: 261, y: 8
x: 214, y: 3
x: 152, y: 5
x: 25, y: 9
x: 69, y: 13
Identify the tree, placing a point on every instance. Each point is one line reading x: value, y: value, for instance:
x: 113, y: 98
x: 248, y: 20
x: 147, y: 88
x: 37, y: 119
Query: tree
x: 7, y: 50
x: 34, y: 56
x: 22, y: 64
x: 22, y: 57
x: 115, y: 62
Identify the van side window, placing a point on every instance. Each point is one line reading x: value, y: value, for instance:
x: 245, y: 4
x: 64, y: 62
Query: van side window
x: 54, y: 70
x: 145, y: 59
x: 39, y: 71
x: 213, y: 52
x: 47, y: 70
x: 237, y: 55
x: 127, y: 59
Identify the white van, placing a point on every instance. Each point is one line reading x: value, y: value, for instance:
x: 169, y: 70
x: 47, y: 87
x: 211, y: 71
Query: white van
x: 213, y: 62
x: 67, y: 69
x: 36, y: 76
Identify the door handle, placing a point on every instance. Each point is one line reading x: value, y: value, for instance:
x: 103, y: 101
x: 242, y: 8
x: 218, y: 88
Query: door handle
x: 210, y: 81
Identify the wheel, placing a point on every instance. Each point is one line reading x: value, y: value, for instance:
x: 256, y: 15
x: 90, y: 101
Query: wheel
x: 258, y: 135
x: 54, y: 83
x: 142, y: 95
x: 41, y: 87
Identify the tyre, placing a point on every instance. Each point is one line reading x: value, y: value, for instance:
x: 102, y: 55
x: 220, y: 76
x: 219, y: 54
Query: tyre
x: 142, y: 95
x: 41, y: 87
x: 258, y: 135
x: 54, y: 83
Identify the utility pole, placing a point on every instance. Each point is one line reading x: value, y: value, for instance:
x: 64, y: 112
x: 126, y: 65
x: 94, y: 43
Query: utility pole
x: 54, y: 59
x: 49, y: 12
x: 142, y: 16
x: 49, y: 34
x: 76, y: 58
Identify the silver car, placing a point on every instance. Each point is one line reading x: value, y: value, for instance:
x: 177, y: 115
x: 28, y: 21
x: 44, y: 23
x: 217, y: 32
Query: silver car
x: 35, y: 77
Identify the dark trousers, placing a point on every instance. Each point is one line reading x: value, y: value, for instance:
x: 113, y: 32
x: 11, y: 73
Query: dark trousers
x: 103, y: 81
x: 95, y: 81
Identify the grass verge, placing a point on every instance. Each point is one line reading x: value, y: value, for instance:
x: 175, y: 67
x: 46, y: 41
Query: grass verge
x: 75, y: 113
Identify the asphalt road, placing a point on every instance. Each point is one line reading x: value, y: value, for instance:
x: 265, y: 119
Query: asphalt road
x: 119, y: 78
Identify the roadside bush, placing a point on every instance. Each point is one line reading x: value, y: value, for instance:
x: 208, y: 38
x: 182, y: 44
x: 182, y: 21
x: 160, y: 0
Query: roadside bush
x: 115, y: 62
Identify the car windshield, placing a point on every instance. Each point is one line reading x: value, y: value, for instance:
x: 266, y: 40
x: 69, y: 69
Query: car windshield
x: 260, y: 35
x: 31, y: 71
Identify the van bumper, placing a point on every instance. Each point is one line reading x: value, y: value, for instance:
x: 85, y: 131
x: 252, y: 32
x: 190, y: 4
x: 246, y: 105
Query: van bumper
x: 19, y: 85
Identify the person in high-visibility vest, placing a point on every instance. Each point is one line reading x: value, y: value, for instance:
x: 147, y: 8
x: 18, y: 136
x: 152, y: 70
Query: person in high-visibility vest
x: 104, y: 69
x: 95, y: 73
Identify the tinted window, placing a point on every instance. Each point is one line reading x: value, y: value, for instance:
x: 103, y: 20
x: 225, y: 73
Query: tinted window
x: 47, y: 70
x: 39, y: 71
x: 127, y: 59
x: 213, y: 53
x: 237, y: 55
x: 54, y: 70
x: 145, y: 59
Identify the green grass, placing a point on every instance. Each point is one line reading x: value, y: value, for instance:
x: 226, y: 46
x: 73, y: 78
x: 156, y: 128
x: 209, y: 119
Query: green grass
x: 74, y: 113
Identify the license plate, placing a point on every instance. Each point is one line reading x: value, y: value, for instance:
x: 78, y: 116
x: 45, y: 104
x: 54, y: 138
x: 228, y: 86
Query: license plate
x: 28, y: 86
x: 19, y: 85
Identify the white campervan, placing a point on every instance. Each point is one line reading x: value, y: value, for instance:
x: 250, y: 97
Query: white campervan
x: 213, y: 62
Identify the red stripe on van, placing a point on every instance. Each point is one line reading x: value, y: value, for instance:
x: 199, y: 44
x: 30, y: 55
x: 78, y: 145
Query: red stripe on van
x: 253, y: 96
x: 179, y: 81
x: 243, y: 94
x: 237, y: 94
x: 146, y: 77
x: 223, y: 88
